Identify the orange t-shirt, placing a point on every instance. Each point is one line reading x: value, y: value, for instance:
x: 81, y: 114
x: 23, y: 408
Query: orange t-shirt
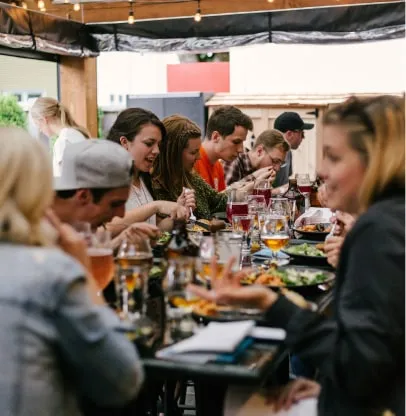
x: 212, y: 174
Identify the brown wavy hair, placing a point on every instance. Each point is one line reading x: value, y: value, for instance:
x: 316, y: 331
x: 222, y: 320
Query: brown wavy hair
x: 169, y: 172
x: 376, y: 130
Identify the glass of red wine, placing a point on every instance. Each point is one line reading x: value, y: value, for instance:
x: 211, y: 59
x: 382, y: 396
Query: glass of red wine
x: 243, y: 224
x: 303, y: 182
x: 263, y: 188
x: 237, y: 204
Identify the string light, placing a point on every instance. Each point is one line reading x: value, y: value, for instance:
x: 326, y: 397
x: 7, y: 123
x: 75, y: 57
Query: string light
x: 41, y: 4
x: 66, y: 1
x: 24, y: 5
x: 131, y: 18
x: 198, y: 15
x: 43, y: 10
x: 76, y: 7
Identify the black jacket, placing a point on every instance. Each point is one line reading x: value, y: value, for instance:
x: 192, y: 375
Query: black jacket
x: 360, y: 350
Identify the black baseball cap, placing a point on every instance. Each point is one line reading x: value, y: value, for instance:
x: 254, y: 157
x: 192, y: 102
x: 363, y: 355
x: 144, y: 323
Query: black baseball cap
x: 290, y: 120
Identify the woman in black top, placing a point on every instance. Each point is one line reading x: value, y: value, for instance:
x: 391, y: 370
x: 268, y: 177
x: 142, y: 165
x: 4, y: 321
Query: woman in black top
x: 360, y: 349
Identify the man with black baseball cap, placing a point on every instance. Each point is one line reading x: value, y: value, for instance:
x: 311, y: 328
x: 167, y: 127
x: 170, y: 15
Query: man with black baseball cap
x: 292, y: 126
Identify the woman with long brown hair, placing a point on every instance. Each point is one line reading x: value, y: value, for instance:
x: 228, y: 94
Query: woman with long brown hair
x: 173, y: 170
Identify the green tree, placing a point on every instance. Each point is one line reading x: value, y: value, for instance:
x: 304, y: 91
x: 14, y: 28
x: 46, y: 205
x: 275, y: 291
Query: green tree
x: 11, y: 114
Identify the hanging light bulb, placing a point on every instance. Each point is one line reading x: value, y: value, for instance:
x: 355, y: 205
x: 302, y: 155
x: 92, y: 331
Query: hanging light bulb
x: 131, y: 18
x: 66, y: 1
x: 24, y: 5
x: 43, y: 10
x: 198, y: 15
x: 76, y: 7
x: 41, y: 4
x: 271, y: 1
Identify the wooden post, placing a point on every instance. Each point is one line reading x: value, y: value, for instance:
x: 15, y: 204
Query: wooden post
x: 78, y: 88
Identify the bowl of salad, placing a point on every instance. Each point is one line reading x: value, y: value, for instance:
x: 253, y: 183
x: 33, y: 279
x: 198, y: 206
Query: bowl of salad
x: 307, y: 252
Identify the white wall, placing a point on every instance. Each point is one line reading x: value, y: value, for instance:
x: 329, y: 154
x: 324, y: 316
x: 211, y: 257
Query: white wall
x: 300, y: 69
x: 122, y: 73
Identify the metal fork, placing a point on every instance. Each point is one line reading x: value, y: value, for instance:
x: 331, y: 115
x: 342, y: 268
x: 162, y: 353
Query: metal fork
x: 192, y: 217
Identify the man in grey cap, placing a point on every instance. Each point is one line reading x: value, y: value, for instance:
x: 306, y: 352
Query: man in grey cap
x: 292, y: 126
x: 94, y: 184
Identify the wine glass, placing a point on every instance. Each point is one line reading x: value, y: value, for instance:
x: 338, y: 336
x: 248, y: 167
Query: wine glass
x: 303, y: 182
x: 207, y: 252
x: 243, y: 224
x: 100, y: 253
x: 134, y: 263
x: 263, y: 188
x: 237, y: 204
x: 275, y: 233
x: 281, y: 206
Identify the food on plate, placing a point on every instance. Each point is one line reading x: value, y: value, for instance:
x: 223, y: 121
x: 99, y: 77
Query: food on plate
x: 205, y: 307
x: 287, y: 277
x: 312, y: 250
x: 204, y: 225
x: 314, y: 228
x: 164, y: 238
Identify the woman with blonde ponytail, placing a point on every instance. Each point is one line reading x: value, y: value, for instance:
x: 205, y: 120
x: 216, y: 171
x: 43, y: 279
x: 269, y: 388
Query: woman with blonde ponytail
x: 54, y: 119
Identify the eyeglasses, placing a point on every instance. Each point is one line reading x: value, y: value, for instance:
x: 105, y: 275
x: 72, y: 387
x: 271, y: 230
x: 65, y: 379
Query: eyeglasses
x: 276, y: 162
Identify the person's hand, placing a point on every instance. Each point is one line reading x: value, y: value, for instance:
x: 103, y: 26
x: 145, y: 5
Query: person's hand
x: 69, y: 240
x: 228, y: 290
x: 332, y: 248
x: 293, y: 392
x: 344, y: 222
x: 187, y: 198
x: 263, y: 174
x: 141, y: 231
x: 173, y: 209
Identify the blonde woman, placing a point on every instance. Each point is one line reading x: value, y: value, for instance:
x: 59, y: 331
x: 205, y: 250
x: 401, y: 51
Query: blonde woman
x: 58, y: 340
x: 360, y: 349
x: 54, y: 120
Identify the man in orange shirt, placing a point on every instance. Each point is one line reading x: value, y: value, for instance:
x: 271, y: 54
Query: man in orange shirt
x: 227, y: 130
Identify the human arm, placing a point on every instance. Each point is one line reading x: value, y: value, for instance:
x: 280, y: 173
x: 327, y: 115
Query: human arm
x: 361, y: 347
x: 134, y: 233
x: 208, y: 201
x: 102, y: 361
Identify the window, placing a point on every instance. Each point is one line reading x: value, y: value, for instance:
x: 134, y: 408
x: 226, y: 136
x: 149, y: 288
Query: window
x: 33, y: 96
x: 111, y: 98
x: 120, y: 98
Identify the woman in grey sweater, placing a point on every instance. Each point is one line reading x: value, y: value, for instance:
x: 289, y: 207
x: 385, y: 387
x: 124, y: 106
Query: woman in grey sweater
x: 58, y: 340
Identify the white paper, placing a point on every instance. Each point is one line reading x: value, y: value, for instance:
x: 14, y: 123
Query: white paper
x: 265, y: 333
x: 240, y: 402
x: 314, y: 216
x: 215, y: 338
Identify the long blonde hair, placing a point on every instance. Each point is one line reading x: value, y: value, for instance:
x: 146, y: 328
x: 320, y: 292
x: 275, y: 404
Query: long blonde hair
x: 25, y: 188
x: 49, y: 108
x: 376, y: 130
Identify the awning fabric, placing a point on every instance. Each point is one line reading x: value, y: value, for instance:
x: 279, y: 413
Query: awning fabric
x: 30, y: 30
x: 318, y: 25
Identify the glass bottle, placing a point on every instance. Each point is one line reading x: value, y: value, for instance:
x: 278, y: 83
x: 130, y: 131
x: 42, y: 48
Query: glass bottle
x: 314, y: 200
x: 296, y: 200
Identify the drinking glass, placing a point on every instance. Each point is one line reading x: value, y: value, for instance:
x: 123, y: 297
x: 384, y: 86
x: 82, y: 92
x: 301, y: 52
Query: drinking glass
x: 281, y: 206
x: 275, y: 233
x: 100, y: 253
x: 263, y: 188
x: 256, y: 206
x: 134, y: 263
x: 303, y: 182
x: 243, y: 224
x: 229, y: 245
x: 237, y: 204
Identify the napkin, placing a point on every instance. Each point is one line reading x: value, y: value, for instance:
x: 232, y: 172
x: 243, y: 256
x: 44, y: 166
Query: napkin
x: 314, y: 216
x: 266, y: 253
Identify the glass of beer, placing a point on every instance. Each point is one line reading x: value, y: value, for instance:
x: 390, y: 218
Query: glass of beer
x: 281, y: 206
x: 134, y: 261
x: 275, y: 233
x: 101, y: 257
x: 207, y: 252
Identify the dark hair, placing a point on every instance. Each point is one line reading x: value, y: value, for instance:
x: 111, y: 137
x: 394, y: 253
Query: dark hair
x: 131, y: 121
x: 169, y: 172
x: 225, y: 119
x: 270, y: 139
x: 97, y: 193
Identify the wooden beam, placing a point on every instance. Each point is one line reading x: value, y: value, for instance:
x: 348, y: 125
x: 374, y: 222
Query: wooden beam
x: 117, y: 11
x: 78, y: 86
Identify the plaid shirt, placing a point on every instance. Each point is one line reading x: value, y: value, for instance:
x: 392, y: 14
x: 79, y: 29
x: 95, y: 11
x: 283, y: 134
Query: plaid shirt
x: 240, y: 168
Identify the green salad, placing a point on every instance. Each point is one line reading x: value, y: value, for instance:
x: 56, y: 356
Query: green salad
x: 305, y: 250
x: 164, y: 238
x: 295, y: 277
